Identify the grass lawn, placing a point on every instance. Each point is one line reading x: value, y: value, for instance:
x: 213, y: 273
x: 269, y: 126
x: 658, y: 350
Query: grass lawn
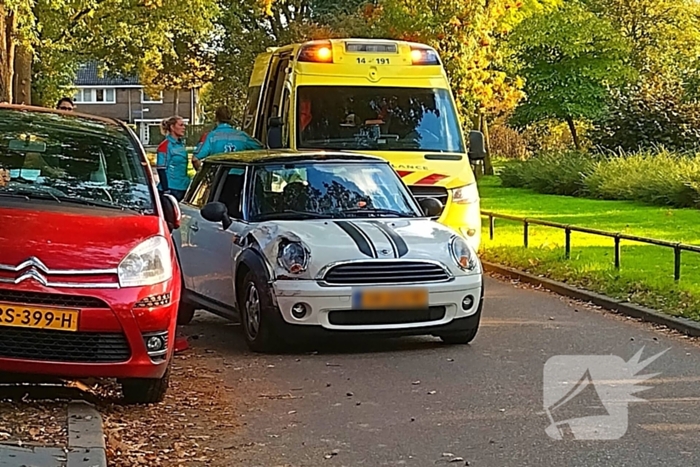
x: 646, y: 273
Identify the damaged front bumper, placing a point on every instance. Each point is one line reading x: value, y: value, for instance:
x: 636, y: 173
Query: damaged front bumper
x: 332, y: 307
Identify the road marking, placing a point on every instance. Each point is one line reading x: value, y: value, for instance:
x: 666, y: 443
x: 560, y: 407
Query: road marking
x: 671, y: 427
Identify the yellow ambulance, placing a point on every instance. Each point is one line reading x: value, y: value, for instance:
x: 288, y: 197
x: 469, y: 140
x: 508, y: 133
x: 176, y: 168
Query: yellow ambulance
x: 387, y: 98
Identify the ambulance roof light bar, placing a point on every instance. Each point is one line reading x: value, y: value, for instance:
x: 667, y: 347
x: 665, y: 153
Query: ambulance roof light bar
x: 318, y: 52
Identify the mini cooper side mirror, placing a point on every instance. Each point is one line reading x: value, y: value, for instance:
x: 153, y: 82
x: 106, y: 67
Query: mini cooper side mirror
x: 171, y: 211
x: 216, y: 212
x: 431, y: 207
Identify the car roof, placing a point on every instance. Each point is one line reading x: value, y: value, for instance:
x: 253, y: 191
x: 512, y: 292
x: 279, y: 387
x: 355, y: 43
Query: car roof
x: 86, y: 122
x: 272, y: 156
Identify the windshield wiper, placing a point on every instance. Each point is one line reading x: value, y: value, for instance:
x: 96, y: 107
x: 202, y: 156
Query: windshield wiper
x: 391, y: 212
x: 292, y: 213
x: 29, y: 194
x: 92, y: 202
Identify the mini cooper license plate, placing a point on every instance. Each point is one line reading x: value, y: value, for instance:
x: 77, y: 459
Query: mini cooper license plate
x: 28, y: 316
x: 387, y: 299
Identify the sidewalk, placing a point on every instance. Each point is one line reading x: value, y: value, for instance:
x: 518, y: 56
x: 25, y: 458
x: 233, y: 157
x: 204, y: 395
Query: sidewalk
x: 86, y: 445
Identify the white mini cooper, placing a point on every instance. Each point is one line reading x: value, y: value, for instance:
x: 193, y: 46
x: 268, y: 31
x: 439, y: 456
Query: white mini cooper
x: 290, y: 243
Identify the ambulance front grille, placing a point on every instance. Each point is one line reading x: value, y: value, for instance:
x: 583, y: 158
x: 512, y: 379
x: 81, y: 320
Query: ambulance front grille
x: 422, y: 192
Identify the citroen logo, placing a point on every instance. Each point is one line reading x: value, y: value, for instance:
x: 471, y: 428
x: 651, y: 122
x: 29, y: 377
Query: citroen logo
x: 31, y: 268
x: 34, y: 263
x: 32, y: 274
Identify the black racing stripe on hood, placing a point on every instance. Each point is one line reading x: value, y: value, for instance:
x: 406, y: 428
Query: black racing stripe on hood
x: 360, y: 239
x: 401, y: 247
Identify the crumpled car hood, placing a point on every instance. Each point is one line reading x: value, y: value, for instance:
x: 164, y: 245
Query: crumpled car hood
x: 330, y: 241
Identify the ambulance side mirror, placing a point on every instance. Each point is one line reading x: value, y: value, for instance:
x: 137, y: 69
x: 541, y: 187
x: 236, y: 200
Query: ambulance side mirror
x: 477, y: 147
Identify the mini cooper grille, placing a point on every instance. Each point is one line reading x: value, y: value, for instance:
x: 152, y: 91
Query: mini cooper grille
x: 385, y: 272
x: 62, y: 346
x: 50, y: 299
x: 379, y: 317
x: 153, y: 301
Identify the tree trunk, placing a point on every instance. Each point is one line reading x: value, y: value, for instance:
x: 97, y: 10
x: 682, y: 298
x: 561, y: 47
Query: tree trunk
x: 176, y: 102
x: 8, y: 22
x: 22, y: 82
x: 574, y: 134
x: 477, y: 167
x: 488, y: 166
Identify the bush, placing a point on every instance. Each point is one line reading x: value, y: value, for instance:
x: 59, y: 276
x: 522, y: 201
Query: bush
x: 512, y: 174
x: 663, y: 178
x: 649, y: 114
x: 507, y: 143
x: 556, y: 173
x: 660, y: 178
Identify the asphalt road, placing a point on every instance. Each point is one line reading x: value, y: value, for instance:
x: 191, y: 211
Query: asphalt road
x: 416, y: 402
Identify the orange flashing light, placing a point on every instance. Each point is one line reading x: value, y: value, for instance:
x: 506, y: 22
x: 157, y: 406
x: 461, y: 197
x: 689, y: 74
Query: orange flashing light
x: 316, y: 52
x: 424, y: 56
x: 324, y: 54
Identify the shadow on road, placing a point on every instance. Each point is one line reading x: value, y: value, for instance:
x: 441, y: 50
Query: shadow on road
x: 24, y: 388
x: 210, y: 332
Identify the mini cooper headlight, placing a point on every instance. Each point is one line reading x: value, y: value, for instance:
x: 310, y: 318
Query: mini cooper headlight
x: 147, y: 264
x: 462, y: 254
x: 293, y: 257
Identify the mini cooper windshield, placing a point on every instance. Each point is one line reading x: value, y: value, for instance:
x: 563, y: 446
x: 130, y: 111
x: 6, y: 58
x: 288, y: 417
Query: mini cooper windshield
x: 328, y: 190
x: 71, y: 160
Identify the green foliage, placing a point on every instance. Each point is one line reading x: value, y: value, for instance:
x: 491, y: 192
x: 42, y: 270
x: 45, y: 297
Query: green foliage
x: 649, y: 114
x: 664, y: 34
x: 165, y: 37
x: 657, y: 178
x: 553, y: 173
x: 569, y: 59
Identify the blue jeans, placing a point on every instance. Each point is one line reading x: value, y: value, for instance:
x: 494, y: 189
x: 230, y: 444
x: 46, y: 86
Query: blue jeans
x: 177, y: 194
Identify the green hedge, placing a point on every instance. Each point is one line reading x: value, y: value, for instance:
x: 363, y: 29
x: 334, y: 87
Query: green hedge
x: 659, y: 178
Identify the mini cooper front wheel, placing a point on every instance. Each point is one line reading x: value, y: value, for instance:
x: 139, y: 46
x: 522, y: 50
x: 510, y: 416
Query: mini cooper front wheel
x: 459, y: 338
x: 259, y: 316
x: 185, y: 313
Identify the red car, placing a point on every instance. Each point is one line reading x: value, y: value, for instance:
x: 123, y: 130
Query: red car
x: 89, y: 278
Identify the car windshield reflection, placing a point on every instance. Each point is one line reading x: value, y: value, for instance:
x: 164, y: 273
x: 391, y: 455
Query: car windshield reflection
x: 328, y: 190
x: 70, y: 159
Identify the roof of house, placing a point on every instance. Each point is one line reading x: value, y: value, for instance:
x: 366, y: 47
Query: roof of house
x: 89, y: 75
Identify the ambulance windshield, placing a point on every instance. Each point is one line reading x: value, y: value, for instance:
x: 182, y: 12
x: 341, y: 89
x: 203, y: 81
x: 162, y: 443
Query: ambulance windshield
x: 377, y: 118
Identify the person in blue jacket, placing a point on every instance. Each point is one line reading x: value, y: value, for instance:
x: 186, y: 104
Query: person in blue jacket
x: 223, y: 138
x: 172, y: 158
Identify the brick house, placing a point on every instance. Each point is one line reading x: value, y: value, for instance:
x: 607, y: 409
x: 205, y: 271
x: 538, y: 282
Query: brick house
x: 124, y: 98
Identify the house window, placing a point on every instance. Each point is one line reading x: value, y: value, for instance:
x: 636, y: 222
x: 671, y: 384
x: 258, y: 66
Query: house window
x: 95, y: 96
x: 149, y: 98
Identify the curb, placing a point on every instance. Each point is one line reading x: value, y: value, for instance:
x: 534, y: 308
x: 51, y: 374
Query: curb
x: 683, y: 325
x: 86, y: 441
